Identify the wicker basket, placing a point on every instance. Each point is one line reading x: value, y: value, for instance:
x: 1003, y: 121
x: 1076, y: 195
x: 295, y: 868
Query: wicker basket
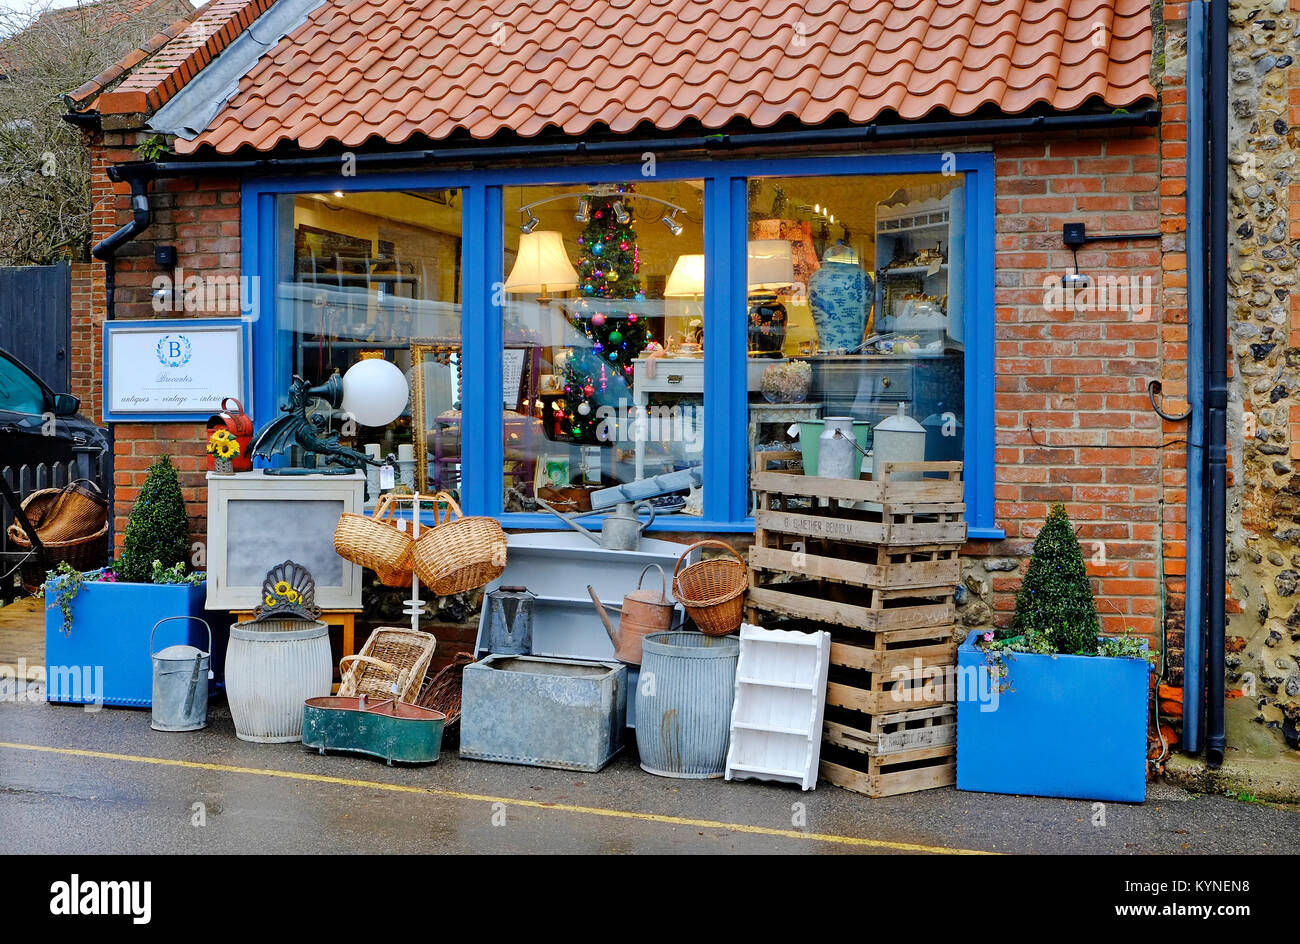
x: 458, y: 553
x: 442, y: 692
x: 82, y: 554
x: 390, y: 657
x: 712, y: 590
x: 376, y: 543
x: 57, y: 515
x: 72, y: 523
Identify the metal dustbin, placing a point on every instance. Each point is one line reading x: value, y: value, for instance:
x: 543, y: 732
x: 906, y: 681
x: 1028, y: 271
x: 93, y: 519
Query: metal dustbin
x: 180, y: 682
x: 683, y: 703
x: 562, y: 713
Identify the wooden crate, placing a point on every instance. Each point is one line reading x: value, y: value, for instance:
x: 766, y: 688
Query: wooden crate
x: 856, y: 607
x: 879, y: 735
x: 941, y: 482
x: 889, y: 775
x: 888, y: 692
x: 917, y: 524
x: 867, y: 565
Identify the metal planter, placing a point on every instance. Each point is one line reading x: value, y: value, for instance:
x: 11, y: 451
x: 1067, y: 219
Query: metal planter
x: 561, y: 713
x: 392, y: 731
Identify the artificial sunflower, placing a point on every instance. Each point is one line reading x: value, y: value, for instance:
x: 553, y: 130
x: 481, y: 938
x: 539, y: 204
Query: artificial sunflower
x: 292, y: 596
x: 270, y: 600
x: 283, y: 588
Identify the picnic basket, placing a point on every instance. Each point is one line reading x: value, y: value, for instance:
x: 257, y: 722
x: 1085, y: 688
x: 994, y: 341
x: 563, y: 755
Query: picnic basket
x: 712, y: 589
x: 72, y: 524
x: 391, y: 656
x: 458, y: 553
x: 376, y: 542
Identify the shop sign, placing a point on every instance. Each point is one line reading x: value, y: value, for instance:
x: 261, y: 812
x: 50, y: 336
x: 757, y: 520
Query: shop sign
x: 177, y: 369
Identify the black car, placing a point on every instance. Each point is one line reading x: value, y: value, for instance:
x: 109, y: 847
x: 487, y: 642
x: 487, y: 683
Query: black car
x: 39, y: 425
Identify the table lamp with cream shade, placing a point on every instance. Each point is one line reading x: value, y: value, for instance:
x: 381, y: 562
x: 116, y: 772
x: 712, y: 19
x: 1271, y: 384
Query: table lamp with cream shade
x: 686, y: 281
x: 542, y: 266
x: 770, y: 269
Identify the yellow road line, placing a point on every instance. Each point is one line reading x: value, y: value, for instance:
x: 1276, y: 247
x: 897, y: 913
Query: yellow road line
x: 509, y: 801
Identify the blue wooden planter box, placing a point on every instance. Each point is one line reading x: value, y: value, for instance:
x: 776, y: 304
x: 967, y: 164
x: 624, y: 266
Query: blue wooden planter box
x: 1073, y: 726
x: 105, y: 659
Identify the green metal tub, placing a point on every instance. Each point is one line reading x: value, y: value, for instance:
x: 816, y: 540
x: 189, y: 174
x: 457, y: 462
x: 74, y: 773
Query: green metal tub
x: 390, y: 730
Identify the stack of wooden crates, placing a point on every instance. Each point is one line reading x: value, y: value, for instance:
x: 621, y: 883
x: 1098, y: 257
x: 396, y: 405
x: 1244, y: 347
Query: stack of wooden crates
x: 875, y: 563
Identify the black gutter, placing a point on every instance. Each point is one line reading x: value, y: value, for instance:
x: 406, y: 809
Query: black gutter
x: 858, y: 134
x: 1216, y: 389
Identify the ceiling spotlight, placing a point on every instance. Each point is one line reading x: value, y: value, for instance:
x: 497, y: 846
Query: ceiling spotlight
x: 670, y: 220
x: 531, y: 225
x: 584, y: 210
x: 620, y: 212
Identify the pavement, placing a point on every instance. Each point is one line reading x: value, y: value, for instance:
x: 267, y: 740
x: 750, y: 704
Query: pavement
x: 76, y: 781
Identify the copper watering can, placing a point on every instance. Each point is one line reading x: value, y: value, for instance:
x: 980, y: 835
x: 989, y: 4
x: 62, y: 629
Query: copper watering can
x: 643, y: 612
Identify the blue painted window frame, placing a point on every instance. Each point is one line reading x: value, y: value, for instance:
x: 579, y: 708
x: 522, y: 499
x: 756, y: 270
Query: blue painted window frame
x: 725, y: 236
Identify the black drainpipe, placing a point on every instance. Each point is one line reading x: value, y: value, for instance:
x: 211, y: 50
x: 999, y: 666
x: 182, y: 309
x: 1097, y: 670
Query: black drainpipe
x: 141, y: 217
x: 1216, y: 389
x: 106, y: 250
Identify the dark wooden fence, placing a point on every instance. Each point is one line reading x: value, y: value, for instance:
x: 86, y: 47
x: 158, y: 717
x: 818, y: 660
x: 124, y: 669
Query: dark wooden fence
x: 36, y: 319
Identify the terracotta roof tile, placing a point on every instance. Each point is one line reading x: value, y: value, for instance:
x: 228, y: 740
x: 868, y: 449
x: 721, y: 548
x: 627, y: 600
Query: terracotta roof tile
x: 394, y: 69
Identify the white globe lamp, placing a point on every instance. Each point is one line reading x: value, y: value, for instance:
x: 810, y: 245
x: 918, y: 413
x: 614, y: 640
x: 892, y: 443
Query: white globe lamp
x: 375, y: 392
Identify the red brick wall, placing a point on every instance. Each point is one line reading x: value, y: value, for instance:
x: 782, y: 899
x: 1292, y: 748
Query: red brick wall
x: 87, y: 362
x: 201, y: 219
x: 1078, y: 378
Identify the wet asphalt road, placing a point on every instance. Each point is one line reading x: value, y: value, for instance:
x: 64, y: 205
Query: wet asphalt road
x: 288, y: 800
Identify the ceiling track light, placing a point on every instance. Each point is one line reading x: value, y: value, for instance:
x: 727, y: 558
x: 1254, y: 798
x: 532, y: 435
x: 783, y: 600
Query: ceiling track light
x: 620, y: 212
x: 530, y: 225
x: 584, y: 210
x: 670, y: 220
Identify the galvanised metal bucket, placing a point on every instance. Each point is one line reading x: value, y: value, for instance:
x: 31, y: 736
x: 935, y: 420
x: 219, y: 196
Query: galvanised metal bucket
x: 683, y: 703
x: 270, y: 673
x: 180, y: 682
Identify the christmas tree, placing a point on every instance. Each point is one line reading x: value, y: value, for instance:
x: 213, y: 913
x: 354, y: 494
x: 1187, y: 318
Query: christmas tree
x: 608, y: 261
x: 601, y: 375
x: 1055, y: 598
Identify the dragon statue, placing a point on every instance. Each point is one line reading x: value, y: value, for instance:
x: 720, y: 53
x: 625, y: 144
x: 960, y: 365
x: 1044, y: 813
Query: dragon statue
x: 307, y: 431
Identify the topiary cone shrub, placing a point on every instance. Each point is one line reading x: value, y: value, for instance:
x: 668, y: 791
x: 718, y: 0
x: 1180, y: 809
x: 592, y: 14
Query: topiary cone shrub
x: 158, y: 529
x: 1055, y: 598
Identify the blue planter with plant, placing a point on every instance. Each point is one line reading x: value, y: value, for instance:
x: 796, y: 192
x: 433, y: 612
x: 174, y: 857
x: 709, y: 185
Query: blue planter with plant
x: 1053, y: 708
x: 98, y: 624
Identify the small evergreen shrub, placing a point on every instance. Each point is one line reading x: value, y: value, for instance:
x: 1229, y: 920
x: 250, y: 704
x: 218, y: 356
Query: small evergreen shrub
x: 158, y: 532
x: 1055, y: 599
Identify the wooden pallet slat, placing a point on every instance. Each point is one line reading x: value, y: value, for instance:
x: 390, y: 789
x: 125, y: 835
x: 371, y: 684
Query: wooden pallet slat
x: 880, y: 776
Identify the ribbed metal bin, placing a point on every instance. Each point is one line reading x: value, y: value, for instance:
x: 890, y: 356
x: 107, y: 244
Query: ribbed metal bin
x: 270, y: 672
x: 683, y: 703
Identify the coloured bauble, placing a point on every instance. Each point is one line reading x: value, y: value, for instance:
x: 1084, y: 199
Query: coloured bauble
x: 600, y: 214
x: 577, y: 432
x: 627, y: 368
x: 615, y: 336
x: 588, y: 289
x: 598, y: 249
x: 632, y: 318
x: 598, y: 319
x: 588, y: 390
x: 584, y: 407
x: 613, y: 355
x: 623, y: 245
x: 598, y: 347
x: 613, y: 275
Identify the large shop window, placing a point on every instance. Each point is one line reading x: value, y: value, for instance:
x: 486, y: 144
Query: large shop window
x: 855, y: 311
x: 374, y: 275
x: 624, y: 326
x: 603, y: 333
